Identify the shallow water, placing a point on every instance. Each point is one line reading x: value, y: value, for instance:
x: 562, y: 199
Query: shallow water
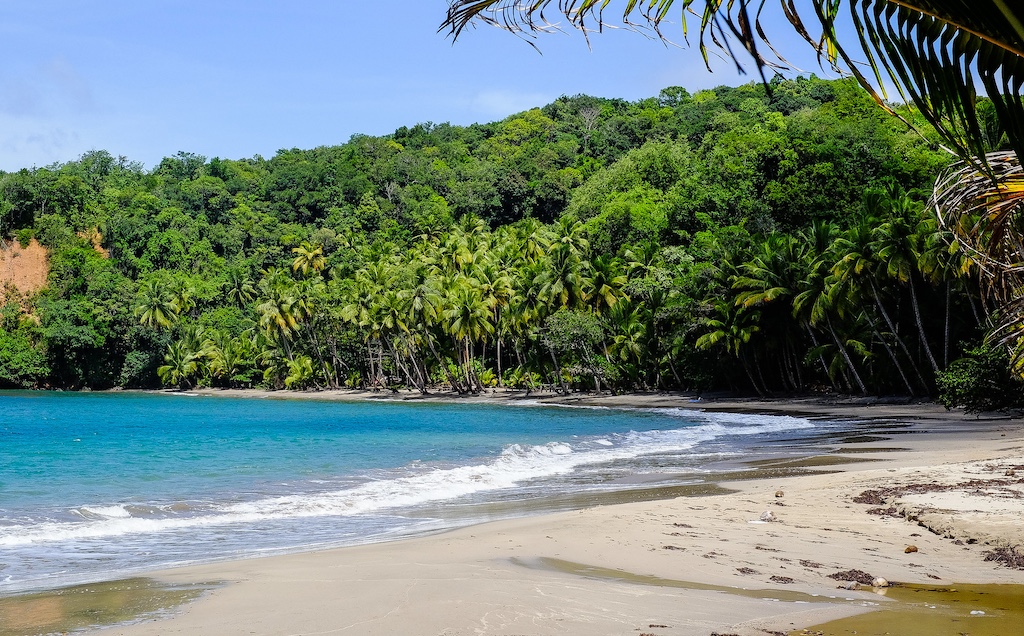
x: 928, y: 610
x: 93, y: 605
x: 102, y: 486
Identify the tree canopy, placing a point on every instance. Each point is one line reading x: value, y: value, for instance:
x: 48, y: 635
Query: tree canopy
x: 738, y: 238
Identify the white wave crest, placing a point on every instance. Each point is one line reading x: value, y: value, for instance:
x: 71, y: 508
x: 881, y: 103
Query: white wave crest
x: 416, y: 485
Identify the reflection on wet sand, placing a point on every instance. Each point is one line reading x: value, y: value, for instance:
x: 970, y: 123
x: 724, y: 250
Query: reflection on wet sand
x: 95, y: 604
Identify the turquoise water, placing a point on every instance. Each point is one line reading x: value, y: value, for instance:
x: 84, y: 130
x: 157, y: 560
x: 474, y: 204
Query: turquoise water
x: 95, y: 486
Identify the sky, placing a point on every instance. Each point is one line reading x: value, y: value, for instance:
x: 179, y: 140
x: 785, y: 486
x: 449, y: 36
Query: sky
x: 238, y: 78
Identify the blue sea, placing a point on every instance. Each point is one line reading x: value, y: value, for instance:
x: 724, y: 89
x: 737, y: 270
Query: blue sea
x: 100, y: 486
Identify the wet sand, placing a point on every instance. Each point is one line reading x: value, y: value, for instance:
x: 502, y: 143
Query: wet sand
x: 948, y: 485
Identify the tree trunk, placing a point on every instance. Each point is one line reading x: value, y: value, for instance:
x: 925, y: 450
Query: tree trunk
x: 892, y: 329
x: 892, y: 355
x: 846, y: 357
x: 447, y: 372
x: 750, y: 376
x: 946, y: 331
x: 821, y: 359
x: 760, y: 375
x: 501, y: 382
x: 797, y: 363
x: 920, y: 326
x: 675, y: 374
x: 558, y: 370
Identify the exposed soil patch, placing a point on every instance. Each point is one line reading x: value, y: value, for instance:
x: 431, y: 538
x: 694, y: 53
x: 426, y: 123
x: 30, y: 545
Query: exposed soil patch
x: 24, y: 268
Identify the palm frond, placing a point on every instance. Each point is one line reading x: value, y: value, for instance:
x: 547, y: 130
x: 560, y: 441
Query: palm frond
x: 984, y: 212
x: 933, y: 51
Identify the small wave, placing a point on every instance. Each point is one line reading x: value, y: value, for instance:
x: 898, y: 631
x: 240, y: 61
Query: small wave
x: 415, y: 485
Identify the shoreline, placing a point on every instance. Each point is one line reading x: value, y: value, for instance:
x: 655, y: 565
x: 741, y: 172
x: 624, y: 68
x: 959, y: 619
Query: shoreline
x: 498, y: 578
x: 821, y: 407
x: 663, y: 566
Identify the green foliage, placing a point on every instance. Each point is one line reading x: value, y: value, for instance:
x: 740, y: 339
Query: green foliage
x: 725, y: 239
x: 22, y: 360
x: 980, y: 381
x: 24, y: 236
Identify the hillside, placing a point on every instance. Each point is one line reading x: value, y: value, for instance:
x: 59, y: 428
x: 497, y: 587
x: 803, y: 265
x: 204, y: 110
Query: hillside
x: 747, y: 239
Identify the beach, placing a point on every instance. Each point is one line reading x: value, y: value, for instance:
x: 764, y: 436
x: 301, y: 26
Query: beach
x: 935, y: 500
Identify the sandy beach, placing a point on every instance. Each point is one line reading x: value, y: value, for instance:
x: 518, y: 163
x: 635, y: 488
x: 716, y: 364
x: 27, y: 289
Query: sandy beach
x: 938, y: 498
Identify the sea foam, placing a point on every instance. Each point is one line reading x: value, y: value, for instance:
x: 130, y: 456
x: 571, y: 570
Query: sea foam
x: 405, y: 488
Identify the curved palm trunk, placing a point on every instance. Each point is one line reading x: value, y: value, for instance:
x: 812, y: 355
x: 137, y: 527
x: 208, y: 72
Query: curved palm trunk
x: 444, y: 367
x: 558, y: 371
x: 946, y: 331
x: 821, y: 358
x: 892, y: 356
x: 750, y: 376
x: 846, y: 357
x: 892, y: 329
x: 920, y: 326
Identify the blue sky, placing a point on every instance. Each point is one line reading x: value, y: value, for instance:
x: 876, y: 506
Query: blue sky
x: 234, y: 78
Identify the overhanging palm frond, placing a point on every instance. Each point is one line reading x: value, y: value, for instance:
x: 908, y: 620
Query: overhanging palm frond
x: 984, y: 211
x: 932, y: 50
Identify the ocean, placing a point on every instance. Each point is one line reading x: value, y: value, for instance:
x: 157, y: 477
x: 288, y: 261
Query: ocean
x: 102, y: 486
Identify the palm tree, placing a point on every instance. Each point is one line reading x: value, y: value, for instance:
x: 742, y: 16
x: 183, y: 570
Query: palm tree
x: 731, y: 328
x: 856, y: 268
x: 982, y: 210
x: 179, y: 367
x: 896, y: 246
x: 309, y: 258
x: 769, y: 280
x: 155, y: 305
x: 603, y: 283
x: 469, y: 320
x: 240, y: 288
x: 818, y: 301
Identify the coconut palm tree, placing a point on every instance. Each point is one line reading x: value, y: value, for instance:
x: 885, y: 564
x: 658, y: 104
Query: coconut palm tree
x: 308, y: 258
x: 180, y: 365
x: 155, y: 305
x: 468, y: 320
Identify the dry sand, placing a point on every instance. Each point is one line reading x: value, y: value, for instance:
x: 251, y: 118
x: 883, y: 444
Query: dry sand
x: 961, y: 477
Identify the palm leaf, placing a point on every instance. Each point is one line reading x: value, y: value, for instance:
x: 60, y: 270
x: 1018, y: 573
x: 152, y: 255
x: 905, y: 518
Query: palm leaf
x: 933, y: 51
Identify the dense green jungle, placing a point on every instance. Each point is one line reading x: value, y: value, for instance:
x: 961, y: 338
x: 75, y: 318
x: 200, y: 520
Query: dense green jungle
x: 761, y: 239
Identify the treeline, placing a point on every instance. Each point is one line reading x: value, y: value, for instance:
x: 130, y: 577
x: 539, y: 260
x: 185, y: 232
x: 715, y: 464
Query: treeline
x: 759, y: 240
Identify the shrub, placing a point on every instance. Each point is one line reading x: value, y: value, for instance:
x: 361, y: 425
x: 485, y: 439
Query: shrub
x: 25, y: 236
x: 980, y: 381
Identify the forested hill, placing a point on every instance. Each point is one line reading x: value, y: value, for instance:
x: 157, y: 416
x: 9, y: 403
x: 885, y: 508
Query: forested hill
x: 733, y: 238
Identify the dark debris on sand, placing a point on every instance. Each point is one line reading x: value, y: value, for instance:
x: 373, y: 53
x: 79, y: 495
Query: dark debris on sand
x: 859, y: 576
x: 1008, y: 557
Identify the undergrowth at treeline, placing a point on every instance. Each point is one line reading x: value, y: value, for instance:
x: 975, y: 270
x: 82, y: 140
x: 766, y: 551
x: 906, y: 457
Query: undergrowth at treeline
x: 736, y: 238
